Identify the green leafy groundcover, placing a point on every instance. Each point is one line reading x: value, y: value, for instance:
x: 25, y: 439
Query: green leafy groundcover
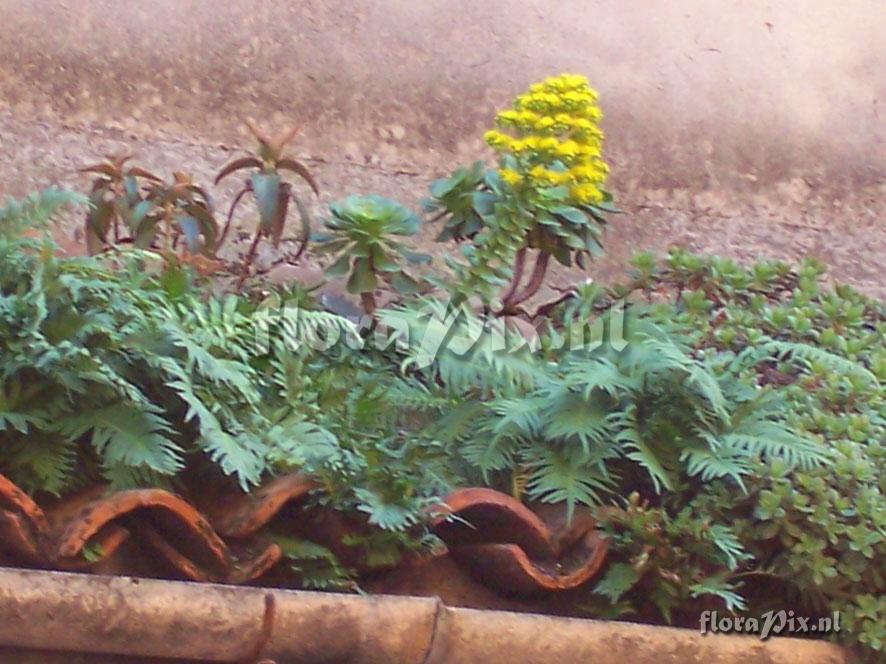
x: 727, y: 429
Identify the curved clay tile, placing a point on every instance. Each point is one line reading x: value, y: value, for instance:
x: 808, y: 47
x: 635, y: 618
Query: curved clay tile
x: 22, y: 523
x: 89, y: 527
x: 244, y: 514
x: 253, y: 561
x: 102, y: 545
x: 501, y: 541
x: 17, y: 537
x: 177, y: 519
x: 483, y: 516
x: 13, y: 497
x: 510, y: 548
x: 507, y: 568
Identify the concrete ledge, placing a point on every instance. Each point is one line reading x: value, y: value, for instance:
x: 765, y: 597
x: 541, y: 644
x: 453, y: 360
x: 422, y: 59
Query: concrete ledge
x: 144, y: 618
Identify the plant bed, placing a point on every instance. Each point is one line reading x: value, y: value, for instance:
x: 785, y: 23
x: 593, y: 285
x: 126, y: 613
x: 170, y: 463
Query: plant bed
x: 706, y: 436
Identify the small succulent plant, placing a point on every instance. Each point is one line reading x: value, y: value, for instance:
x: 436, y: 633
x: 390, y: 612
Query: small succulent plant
x: 116, y: 192
x: 132, y: 205
x: 359, y: 235
x: 271, y: 192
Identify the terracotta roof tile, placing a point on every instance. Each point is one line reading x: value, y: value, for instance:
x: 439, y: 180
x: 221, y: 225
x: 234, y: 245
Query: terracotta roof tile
x: 226, y: 536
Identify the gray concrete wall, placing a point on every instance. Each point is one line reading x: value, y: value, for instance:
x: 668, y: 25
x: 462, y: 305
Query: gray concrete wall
x: 698, y: 94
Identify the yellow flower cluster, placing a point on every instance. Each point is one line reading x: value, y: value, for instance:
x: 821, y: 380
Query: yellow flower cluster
x: 553, y: 133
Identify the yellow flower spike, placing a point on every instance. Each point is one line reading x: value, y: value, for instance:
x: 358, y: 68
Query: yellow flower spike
x: 507, y: 118
x: 544, y: 177
x: 517, y: 146
x: 510, y: 176
x: 554, y: 122
x: 587, y: 173
x: 589, y: 151
x: 544, y: 123
x: 568, y: 150
x: 548, y: 144
x: 586, y: 193
x: 498, y: 140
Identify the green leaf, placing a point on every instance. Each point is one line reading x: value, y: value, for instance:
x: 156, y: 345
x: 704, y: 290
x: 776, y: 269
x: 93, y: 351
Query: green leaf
x: 266, y: 188
x: 381, y: 261
x: 386, y: 515
x: 617, y: 581
x: 571, y: 214
x: 138, y: 214
x: 565, y: 476
x: 191, y: 228
x: 129, y: 435
x: 403, y: 283
x: 340, y: 267
x: 415, y: 258
x: 362, y: 279
x: 719, y: 587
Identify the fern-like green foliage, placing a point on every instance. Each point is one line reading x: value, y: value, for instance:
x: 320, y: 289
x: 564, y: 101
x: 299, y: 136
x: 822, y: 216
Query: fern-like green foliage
x: 316, y: 565
x: 35, y: 211
x: 799, y: 536
x: 580, y: 418
x: 666, y: 563
x: 64, y: 325
x: 728, y: 437
x: 103, y: 373
x: 109, y: 371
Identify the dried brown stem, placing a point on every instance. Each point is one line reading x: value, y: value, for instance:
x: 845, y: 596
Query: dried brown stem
x: 248, y: 260
x: 227, y: 227
x: 369, y: 303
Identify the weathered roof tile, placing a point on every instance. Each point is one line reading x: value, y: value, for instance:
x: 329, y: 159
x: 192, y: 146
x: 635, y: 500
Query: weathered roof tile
x: 226, y: 537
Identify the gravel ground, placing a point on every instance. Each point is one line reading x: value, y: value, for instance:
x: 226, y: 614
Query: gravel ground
x: 787, y: 222
x: 757, y: 135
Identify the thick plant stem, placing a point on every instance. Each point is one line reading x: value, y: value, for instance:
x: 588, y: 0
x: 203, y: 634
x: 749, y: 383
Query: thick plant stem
x: 535, y: 280
x: 519, y: 266
x: 369, y: 304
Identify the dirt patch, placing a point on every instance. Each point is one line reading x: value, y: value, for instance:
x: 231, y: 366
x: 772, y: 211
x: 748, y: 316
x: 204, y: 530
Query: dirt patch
x: 757, y: 133
x: 696, y: 95
x: 847, y: 234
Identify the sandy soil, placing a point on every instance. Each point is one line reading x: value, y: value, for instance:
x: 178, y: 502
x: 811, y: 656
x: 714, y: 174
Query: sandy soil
x: 747, y: 129
x: 847, y: 235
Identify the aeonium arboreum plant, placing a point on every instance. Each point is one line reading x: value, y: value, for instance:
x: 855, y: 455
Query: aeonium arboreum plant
x: 360, y: 234
x: 463, y: 200
x: 549, y: 196
x: 272, y: 193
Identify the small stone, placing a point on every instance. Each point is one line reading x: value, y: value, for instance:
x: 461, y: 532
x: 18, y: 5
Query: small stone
x: 352, y: 151
x: 797, y: 190
x: 398, y: 132
x: 284, y: 274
